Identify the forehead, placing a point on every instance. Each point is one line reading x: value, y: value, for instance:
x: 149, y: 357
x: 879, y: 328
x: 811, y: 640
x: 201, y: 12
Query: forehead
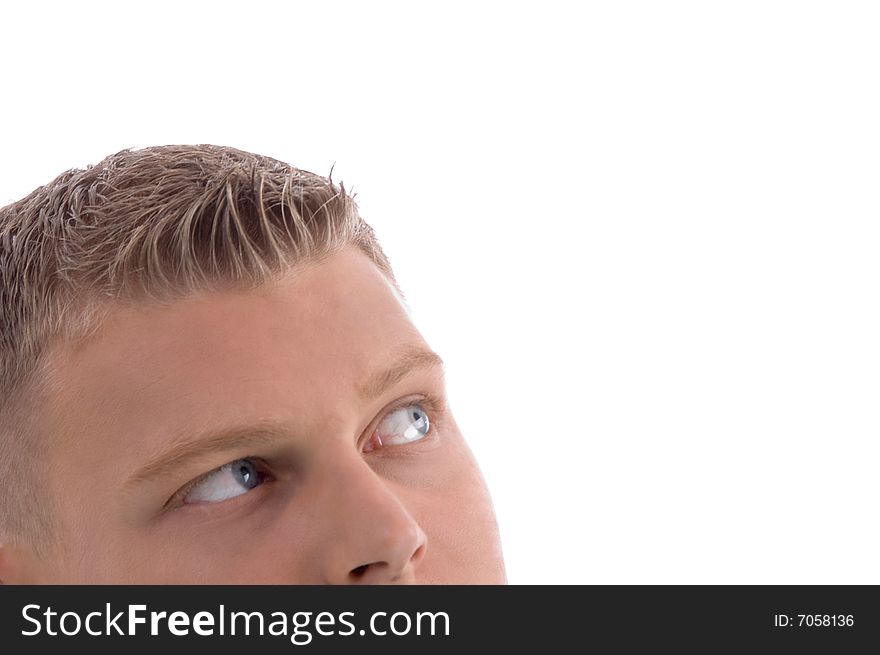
x: 291, y: 349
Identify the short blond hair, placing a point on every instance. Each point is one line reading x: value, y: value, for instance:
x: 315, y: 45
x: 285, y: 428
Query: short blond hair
x: 154, y: 223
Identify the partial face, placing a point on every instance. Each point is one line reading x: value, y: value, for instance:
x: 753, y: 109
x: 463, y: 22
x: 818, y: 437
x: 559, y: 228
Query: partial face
x: 297, y: 434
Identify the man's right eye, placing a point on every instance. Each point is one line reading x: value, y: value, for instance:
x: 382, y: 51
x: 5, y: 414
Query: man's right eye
x: 230, y: 480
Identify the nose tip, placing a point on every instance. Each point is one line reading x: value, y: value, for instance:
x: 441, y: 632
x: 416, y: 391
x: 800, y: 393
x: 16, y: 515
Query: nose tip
x: 371, y: 538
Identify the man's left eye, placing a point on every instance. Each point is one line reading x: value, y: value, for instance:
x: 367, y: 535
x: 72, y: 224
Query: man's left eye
x: 403, y: 425
x: 228, y: 481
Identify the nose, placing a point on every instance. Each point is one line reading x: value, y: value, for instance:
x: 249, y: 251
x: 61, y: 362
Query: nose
x: 372, y: 538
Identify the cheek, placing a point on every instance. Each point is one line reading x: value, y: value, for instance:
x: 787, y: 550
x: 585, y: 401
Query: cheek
x: 459, y: 521
x: 265, y: 546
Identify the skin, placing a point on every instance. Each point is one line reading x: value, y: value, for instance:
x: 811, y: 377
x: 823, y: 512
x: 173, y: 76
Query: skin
x: 333, y: 505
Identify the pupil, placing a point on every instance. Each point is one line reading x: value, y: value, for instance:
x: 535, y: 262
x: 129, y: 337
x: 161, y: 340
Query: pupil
x: 416, y: 415
x: 245, y: 474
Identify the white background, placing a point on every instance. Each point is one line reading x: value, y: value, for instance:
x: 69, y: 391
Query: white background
x: 643, y: 235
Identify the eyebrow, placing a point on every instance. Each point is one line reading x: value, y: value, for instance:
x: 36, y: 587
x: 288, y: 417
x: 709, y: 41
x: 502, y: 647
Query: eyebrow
x: 225, y: 439
x: 410, y: 360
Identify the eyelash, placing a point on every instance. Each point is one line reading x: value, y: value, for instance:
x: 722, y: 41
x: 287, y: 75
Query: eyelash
x: 430, y: 401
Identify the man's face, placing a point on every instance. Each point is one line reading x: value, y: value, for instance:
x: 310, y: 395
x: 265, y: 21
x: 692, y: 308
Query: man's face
x: 255, y: 437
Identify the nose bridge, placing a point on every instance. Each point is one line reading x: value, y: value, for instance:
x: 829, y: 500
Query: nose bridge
x: 372, y: 537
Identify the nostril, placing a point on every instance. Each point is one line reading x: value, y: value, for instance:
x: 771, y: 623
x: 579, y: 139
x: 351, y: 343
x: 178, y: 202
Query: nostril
x: 418, y: 554
x: 359, y: 571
